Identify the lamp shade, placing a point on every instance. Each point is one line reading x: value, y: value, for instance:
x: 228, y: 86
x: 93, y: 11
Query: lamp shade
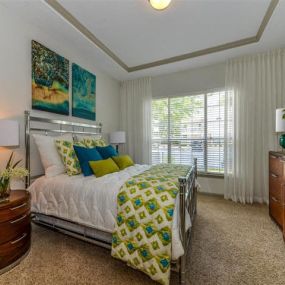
x: 9, y: 133
x: 280, y: 120
x: 117, y: 137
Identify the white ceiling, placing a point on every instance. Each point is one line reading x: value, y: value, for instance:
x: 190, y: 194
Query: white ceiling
x: 137, y: 34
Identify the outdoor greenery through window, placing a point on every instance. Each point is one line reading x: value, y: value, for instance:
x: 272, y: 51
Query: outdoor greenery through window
x: 187, y: 127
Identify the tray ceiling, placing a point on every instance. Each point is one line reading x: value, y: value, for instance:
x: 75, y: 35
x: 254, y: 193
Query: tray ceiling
x: 138, y: 37
x: 190, y: 34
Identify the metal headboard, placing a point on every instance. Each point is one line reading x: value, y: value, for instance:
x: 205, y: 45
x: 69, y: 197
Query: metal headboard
x: 57, y: 127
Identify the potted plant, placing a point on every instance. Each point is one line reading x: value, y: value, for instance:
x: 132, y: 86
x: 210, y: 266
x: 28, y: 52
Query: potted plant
x: 12, y: 170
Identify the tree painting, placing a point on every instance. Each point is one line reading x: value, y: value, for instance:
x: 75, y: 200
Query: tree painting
x: 83, y: 93
x: 50, y: 80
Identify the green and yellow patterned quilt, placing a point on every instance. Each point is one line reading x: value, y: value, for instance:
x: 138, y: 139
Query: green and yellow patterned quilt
x: 142, y: 235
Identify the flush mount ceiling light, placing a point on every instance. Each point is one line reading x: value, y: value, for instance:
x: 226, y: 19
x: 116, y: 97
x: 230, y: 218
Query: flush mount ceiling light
x: 159, y: 4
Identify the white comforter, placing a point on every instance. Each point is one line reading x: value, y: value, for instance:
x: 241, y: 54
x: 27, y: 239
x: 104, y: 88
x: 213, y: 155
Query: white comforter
x: 91, y: 201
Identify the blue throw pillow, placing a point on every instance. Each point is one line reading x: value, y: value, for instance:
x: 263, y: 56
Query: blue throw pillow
x: 106, y: 151
x: 85, y: 155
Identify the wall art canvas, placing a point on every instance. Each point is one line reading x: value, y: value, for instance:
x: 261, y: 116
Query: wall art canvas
x: 50, y: 80
x: 83, y: 93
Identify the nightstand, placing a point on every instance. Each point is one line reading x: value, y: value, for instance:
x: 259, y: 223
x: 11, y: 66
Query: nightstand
x: 15, y: 229
x: 277, y: 188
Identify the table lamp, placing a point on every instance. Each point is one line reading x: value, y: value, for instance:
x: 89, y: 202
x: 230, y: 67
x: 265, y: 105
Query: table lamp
x: 9, y: 133
x: 117, y: 138
x: 280, y: 125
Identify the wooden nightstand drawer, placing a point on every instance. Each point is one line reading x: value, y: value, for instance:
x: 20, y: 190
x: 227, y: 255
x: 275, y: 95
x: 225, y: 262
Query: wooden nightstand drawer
x: 13, y: 228
x: 12, y: 250
x: 276, y: 211
x: 276, y: 189
x: 14, y: 211
x: 276, y: 165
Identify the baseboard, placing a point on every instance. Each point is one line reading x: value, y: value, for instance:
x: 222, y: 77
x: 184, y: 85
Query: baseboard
x: 211, y: 194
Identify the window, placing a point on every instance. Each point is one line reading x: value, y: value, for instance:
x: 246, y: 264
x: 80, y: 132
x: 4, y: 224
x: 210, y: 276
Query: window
x: 187, y: 127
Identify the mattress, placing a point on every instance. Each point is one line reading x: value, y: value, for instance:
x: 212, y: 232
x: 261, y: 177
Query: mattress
x: 92, y: 201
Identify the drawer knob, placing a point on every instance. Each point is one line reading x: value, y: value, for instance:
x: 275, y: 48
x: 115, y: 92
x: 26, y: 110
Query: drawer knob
x: 274, y: 175
x: 18, y: 220
x: 273, y: 156
x: 18, y: 207
x: 274, y: 199
x: 19, y: 239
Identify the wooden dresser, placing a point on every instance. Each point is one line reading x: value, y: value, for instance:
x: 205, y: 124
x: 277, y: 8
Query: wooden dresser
x: 15, y: 229
x: 277, y: 188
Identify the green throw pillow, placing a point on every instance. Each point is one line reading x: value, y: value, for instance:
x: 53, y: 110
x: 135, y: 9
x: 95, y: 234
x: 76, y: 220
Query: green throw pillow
x: 91, y: 142
x: 68, y: 156
x: 123, y: 161
x: 103, y: 167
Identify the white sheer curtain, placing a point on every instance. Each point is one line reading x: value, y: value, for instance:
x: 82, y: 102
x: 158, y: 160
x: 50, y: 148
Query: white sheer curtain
x: 256, y: 87
x: 136, y: 99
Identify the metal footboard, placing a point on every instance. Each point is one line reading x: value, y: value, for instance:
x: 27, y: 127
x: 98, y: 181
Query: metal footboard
x: 188, y: 201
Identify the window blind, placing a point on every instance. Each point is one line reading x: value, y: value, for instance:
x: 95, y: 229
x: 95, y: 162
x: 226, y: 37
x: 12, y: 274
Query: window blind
x: 190, y: 126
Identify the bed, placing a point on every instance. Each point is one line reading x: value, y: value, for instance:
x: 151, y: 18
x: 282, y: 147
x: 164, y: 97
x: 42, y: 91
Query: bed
x: 85, y: 207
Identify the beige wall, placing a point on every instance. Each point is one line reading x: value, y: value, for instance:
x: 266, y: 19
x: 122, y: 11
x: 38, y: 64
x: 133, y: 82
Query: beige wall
x: 15, y: 77
x: 190, y: 82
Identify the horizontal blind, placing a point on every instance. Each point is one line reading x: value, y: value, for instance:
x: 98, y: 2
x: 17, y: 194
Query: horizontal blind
x: 187, y: 129
x: 160, y: 131
x: 215, y: 132
x: 189, y: 126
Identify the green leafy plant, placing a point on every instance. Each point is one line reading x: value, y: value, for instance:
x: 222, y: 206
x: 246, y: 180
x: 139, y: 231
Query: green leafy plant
x: 12, y: 170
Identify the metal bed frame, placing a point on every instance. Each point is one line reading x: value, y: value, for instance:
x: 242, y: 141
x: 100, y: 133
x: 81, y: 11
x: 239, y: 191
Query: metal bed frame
x: 187, y: 186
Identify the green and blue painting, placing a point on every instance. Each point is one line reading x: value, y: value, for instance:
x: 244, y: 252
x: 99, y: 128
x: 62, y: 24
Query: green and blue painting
x: 83, y: 93
x: 50, y: 80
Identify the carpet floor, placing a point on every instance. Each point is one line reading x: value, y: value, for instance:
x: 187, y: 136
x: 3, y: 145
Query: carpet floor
x: 232, y: 244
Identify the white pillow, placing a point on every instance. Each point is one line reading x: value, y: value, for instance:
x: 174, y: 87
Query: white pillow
x: 49, y: 156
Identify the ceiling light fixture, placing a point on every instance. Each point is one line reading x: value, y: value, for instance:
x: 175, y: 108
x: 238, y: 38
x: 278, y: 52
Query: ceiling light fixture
x: 159, y: 4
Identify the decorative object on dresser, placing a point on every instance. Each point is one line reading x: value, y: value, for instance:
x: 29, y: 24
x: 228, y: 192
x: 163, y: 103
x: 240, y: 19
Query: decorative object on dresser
x: 280, y: 125
x: 15, y: 229
x: 117, y: 138
x: 11, y: 171
x: 277, y: 188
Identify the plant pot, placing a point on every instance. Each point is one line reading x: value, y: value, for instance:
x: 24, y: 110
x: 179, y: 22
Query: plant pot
x: 5, y: 190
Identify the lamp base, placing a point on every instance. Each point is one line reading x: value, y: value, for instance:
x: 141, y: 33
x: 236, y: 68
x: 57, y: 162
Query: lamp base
x: 282, y: 141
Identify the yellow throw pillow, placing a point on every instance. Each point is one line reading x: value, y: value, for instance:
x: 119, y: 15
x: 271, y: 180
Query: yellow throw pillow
x: 103, y: 167
x: 91, y: 142
x: 68, y: 156
x: 123, y: 161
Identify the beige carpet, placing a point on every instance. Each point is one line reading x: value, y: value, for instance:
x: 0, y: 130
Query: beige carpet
x: 232, y: 244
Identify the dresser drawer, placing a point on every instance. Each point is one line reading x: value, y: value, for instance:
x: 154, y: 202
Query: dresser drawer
x: 13, y: 212
x: 276, y: 165
x: 276, y: 189
x: 13, y: 228
x: 276, y: 211
x: 12, y: 250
